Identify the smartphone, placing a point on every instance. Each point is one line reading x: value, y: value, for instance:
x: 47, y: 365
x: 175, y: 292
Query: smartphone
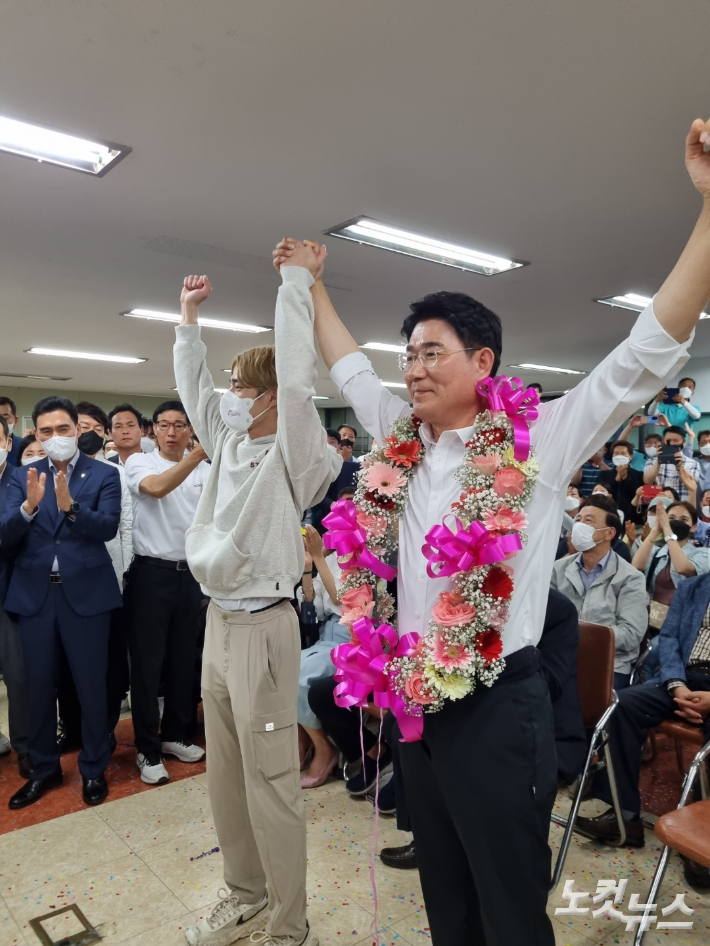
x: 649, y: 418
x: 671, y: 393
x: 650, y: 492
x: 668, y: 453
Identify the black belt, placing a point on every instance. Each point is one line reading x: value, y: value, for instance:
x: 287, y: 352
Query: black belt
x: 55, y: 579
x: 701, y: 668
x: 269, y: 606
x: 180, y: 566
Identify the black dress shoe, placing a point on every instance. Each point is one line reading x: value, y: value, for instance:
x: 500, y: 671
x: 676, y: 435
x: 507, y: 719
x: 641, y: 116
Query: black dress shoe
x: 696, y: 875
x: 95, y: 790
x: 24, y: 765
x: 606, y: 828
x: 403, y: 858
x: 67, y: 743
x: 34, y: 789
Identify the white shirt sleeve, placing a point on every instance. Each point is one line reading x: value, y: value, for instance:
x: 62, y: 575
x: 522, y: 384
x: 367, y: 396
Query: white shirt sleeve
x: 569, y: 429
x: 138, y: 467
x: 692, y: 410
x: 376, y: 407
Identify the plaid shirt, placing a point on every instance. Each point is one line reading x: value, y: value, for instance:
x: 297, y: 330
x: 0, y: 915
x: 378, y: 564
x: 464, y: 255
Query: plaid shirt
x: 668, y: 475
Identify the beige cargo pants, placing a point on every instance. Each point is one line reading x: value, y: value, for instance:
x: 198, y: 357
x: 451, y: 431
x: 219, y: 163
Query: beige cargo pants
x: 249, y: 690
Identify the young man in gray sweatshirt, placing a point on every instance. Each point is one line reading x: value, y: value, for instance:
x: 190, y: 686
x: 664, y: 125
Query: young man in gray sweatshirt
x: 270, y: 462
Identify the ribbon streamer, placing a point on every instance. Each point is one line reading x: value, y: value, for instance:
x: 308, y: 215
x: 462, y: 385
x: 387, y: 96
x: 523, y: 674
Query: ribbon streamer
x: 350, y: 540
x: 464, y: 549
x: 520, y: 405
x: 359, y: 672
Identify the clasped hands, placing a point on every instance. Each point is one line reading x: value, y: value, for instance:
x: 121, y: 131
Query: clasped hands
x: 693, y: 705
x: 36, y: 485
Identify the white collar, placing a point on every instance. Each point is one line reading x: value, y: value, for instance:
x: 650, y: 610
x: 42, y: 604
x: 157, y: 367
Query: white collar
x: 425, y: 432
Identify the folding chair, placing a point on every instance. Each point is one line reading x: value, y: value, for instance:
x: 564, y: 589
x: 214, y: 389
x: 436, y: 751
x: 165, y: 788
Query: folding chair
x: 686, y: 830
x: 595, y: 679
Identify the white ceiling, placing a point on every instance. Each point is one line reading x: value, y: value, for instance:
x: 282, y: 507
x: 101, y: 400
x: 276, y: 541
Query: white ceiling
x: 550, y: 131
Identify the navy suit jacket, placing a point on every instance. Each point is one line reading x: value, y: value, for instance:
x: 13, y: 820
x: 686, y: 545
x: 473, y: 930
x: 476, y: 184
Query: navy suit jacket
x: 5, y: 556
x: 680, y: 628
x: 88, y: 577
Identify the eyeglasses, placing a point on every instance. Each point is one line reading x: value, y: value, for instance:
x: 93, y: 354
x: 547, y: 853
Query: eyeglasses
x: 428, y: 358
x: 178, y: 428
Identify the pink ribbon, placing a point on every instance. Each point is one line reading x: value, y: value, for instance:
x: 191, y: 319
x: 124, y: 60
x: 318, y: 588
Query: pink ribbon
x: 463, y: 549
x: 350, y: 540
x: 520, y: 405
x: 359, y: 672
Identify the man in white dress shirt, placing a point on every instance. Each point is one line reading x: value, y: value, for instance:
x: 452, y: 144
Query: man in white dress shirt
x: 481, y: 783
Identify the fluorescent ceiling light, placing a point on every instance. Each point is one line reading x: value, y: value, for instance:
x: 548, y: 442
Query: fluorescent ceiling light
x: 635, y: 302
x: 383, y: 346
x: 34, y: 377
x: 320, y: 397
x: 529, y: 367
x: 91, y: 356
x: 393, y: 384
x: 57, y: 147
x: 207, y: 322
x: 374, y: 233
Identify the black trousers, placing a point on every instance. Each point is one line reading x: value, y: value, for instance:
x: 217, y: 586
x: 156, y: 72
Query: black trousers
x: 85, y: 642
x: 342, y: 725
x: 117, y: 681
x: 480, y: 790
x: 392, y: 735
x: 640, y: 708
x: 163, y: 621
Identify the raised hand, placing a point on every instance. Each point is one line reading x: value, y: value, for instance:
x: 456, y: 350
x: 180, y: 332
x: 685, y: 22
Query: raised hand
x: 195, y: 290
x: 35, y: 490
x: 636, y: 421
x: 61, y: 488
x: 314, y: 543
x: 697, y: 158
x: 663, y: 421
x: 307, y: 253
x: 690, y: 432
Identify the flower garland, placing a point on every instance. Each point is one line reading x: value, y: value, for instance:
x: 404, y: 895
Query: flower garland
x: 472, y: 545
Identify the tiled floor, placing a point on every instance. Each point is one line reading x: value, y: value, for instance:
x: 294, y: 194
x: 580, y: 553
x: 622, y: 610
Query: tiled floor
x: 144, y: 867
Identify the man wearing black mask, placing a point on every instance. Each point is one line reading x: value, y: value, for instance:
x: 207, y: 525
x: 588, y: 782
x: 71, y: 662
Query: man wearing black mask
x: 93, y: 428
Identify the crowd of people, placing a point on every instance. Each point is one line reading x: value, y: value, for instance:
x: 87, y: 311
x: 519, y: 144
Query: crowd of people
x: 182, y: 558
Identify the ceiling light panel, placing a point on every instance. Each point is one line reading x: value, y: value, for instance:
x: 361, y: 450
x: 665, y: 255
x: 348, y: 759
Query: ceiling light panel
x: 635, y: 302
x: 34, y: 377
x: 152, y: 315
x: 90, y: 356
x: 57, y: 147
x: 384, y: 346
x: 393, y: 384
x: 375, y: 233
x: 530, y: 367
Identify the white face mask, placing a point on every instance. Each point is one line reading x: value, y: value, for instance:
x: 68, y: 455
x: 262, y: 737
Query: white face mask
x: 60, y: 449
x: 621, y: 461
x: 583, y: 536
x: 331, y: 447
x: 235, y: 411
x: 706, y: 512
x: 147, y: 445
x: 705, y: 449
x: 25, y: 461
x: 571, y: 502
x: 651, y: 520
x: 107, y: 454
x: 651, y: 452
x: 3, y: 457
x: 686, y: 392
x: 10, y: 428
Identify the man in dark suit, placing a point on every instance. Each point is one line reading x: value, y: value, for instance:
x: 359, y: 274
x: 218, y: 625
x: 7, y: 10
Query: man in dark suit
x: 680, y: 687
x: 58, y: 515
x: 11, y: 659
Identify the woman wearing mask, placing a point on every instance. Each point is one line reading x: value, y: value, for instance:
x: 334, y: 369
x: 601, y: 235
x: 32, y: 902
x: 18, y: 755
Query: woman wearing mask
x: 667, y: 554
x: 30, y: 451
x: 622, y: 482
x: 702, y: 530
x: 572, y: 504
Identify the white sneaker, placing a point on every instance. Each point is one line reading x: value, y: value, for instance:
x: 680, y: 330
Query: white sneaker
x: 4, y: 744
x: 152, y: 770
x: 228, y: 921
x: 184, y: 751
x: 268, y: 939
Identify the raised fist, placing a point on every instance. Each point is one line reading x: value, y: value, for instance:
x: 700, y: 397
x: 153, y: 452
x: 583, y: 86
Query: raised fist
x: 195, y: 290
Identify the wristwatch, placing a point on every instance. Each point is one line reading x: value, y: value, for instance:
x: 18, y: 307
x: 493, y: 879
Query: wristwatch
x: 73, y: 509
x: 671, y: 538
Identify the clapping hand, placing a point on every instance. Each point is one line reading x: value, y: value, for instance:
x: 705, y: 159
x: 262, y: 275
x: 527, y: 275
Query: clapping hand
x: 690, y: 432
x: 61, y: 488
x: 630, y: 529
x: 35, y: 490
x: 314, y: 543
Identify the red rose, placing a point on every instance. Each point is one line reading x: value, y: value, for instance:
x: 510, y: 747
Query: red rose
x: 378, y: 500
x: 489, y: 645
x: 497, y: 435
x: 497, y: 584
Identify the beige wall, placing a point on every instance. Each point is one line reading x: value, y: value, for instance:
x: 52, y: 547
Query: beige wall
x: 26, y: 398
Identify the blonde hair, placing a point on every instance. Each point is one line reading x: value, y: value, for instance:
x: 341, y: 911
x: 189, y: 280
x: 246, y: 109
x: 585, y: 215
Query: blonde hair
x: 256, y: 368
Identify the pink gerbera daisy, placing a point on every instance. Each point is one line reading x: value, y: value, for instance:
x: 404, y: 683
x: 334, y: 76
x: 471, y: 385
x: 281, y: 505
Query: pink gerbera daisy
x: 384, y: 479
x: 448, y: 655
x: 504, y: 519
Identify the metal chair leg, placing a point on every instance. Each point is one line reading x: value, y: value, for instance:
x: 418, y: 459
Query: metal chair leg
x: 698, y: 765
x: 569, y: 823
x: 614, y: 796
